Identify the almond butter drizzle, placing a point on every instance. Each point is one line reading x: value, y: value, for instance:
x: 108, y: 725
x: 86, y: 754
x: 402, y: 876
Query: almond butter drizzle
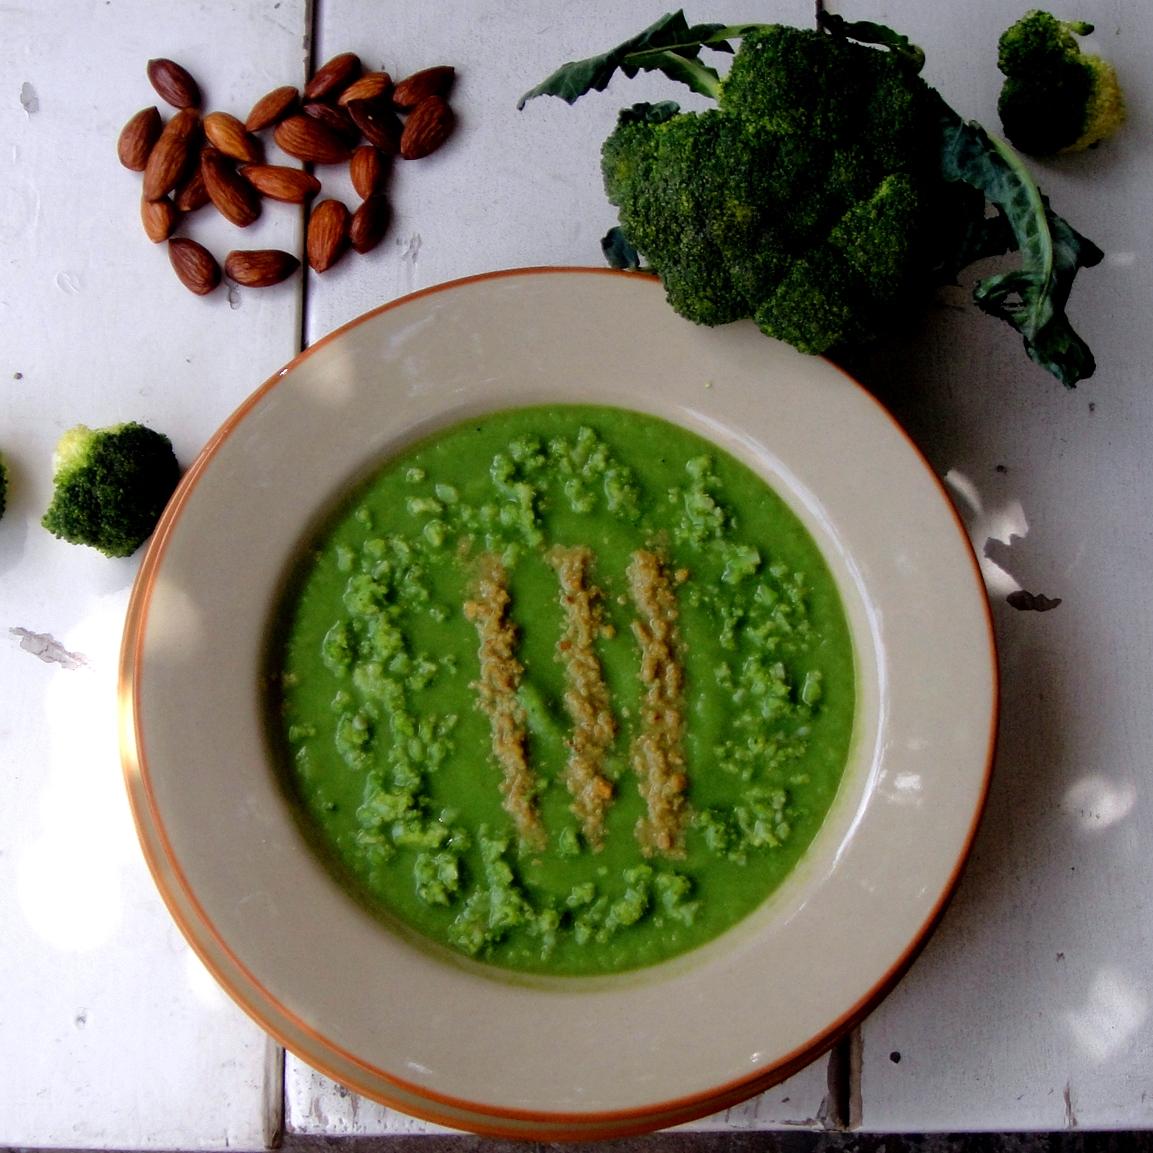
x: 500, y: 675
x: 586, y: 695
x: 658, y: 754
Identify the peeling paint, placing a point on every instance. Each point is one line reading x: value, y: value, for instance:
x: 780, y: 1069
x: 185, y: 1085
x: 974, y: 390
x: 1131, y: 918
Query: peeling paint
x: 68, y: 283
x: 411, y: 248
x: 1070, y: 1113
x: 49, y: 649
x: 1024, y: 601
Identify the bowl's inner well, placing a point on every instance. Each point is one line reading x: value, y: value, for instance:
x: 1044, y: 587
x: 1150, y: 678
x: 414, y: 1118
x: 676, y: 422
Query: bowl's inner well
x: 566, y: 690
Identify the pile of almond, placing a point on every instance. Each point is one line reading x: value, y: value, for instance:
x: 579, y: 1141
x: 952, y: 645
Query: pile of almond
x: 344, y: 116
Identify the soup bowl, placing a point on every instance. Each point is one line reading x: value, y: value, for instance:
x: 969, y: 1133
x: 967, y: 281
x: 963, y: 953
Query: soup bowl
x: 462, y: 1043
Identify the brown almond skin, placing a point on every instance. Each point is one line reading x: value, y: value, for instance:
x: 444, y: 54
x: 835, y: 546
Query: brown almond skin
x: 190, y: 194
x: 228, y: 133
x: 137, y: 138
x: 272, y: 107
x: 368, y: 170
x: 337, y: 119
x: 370, y: 86
x: 259, y: 267
x: 327, y: 236
x: 410, y: 91
x: 174, y: 83
x: 194, y: 265
x: 310, y: 140
x: 280, y: 182
x: 369, y: 223
x: 171, y: 155
x: 333, y: 76
x: 160, y: 218
x: 234, y: 198
x: 378, y: 123
x: 428, y: 126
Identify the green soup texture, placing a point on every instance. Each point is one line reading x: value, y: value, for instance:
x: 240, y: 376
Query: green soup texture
x: 565, y: 690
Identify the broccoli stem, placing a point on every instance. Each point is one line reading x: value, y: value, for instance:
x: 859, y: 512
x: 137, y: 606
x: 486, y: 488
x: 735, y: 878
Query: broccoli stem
x: 1037, y: 241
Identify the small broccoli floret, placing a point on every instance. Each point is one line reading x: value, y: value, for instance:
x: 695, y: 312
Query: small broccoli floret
x: 110, y: 486
x: 1055, y: 98
x: 798, y: 201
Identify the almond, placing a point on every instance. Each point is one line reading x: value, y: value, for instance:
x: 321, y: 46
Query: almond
x: 335, y: 118
x: 137, y: 138
x: 369, y: 223
x: 235, y: 199
x: 280, y: 182
x: 378, y: 123
x: 271, y: 108
x: 259, y: 267
x: 228, y: 134
x: 367, y: 170
x: 170, y: 155
x: 410, y: 91
x: 428, y: 126
x: 160, y: 218
x: 191, y: 194
x: 370, y: 86
x: 334, y: 75
x: 308, y: 139
x: 174, y: 83
x: 327, y: 234
x: 194, y: 265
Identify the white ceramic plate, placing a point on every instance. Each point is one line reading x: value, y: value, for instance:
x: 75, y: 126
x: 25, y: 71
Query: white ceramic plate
x: 555, y: 1058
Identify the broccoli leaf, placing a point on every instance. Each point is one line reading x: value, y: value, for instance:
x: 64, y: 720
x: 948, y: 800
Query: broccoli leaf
x: 645, y: 113
x: 867, y: 32
x: 1031, y: 298
x: 619, y: 253
x: 671, y: 45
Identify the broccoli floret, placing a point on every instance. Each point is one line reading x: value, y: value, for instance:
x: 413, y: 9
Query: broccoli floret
x: 110, y: 486
x: 798, y: 201
x: 1055, y: 98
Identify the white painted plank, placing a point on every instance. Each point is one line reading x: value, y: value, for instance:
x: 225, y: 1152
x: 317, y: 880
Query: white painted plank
x: 509, y: 189
x: 111, y: 1033
x: 1031, y: 1007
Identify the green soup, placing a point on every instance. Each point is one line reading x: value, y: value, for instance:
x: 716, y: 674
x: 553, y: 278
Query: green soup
x: 565, y: 690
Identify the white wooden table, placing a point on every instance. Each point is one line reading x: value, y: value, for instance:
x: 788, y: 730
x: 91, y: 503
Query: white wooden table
x: 1031, y: 1007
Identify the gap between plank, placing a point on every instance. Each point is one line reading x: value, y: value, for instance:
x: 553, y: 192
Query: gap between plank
x: 312, y: 19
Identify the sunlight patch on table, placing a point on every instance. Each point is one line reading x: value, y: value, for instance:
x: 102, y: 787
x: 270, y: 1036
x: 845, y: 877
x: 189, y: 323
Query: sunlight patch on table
x: 1113, y: 1013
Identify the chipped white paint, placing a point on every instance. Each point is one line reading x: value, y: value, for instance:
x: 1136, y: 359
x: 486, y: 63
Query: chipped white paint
x: 1031, y: 1008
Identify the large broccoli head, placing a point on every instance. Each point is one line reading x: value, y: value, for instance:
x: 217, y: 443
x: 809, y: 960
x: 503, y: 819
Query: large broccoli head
x: 799, y: 201
x: 110, y: 486
x: 1055, y: 97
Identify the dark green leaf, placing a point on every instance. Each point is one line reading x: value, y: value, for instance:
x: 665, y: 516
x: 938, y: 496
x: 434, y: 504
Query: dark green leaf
x: 618, y: 251
x: 671, y: 45
x: 1032, y: 297
x: 685, y: 70
x: 649, y: 113
x: 867, y: 32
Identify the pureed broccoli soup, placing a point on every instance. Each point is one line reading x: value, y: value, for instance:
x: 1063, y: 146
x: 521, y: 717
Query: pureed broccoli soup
x: 564, y: 689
